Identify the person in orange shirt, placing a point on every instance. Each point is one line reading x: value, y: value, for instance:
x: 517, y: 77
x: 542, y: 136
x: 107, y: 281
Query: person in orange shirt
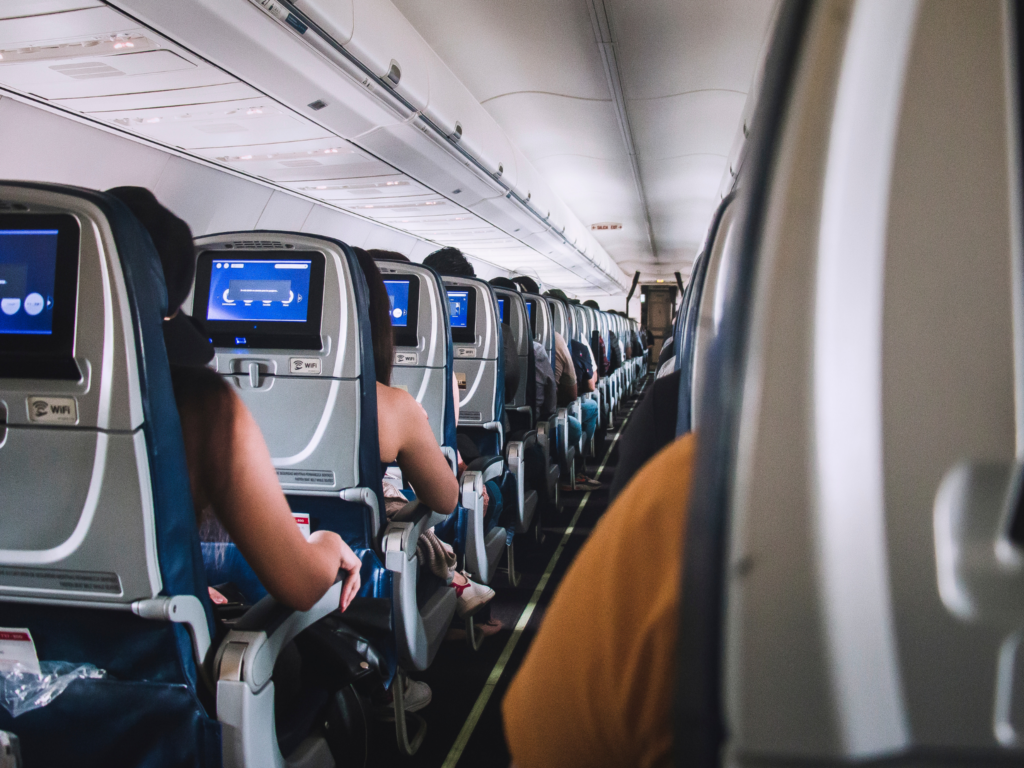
x: 596, y: 687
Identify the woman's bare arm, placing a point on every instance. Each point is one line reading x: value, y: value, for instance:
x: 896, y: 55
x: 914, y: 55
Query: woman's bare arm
x: 405, y: 435
x: 247, y: 499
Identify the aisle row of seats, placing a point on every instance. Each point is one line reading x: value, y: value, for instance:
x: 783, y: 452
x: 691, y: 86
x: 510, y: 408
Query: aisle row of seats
x: 105, y: 564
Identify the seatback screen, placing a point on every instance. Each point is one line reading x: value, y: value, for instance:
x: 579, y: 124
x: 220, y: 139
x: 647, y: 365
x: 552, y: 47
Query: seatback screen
x: 398, y: 297
x: 268, y: 299
x: 28, y: 266
x: 38, y: 287
x: 501, y: 311
x: 243, y: 290
x: 403, y: 307
x: 462, y: 313
x: 458, y: 308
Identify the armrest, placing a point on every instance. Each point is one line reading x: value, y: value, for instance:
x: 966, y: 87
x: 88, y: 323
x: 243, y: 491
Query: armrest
x: 527, y: 437
x: 415, y: 512
x: 402, y: 533
x: 251, y: 648
x: 488, y: 466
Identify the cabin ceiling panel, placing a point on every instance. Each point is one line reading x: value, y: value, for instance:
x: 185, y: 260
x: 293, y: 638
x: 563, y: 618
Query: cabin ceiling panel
x: 685, y: 68
x: 361, y: 188
x: 180, y: 97
x: 220, y: 125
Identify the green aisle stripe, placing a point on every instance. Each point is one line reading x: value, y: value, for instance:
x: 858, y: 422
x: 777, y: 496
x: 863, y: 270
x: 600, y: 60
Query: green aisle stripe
x: 492, y: 679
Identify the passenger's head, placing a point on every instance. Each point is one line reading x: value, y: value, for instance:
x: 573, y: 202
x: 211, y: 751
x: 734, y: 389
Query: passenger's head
x: 592, y: 304
x: 172, y: 238
x: 526, y: 284
x: 380, y: 318
x: 379, y: 255
x: 450, y: 261
x: 503, y: 282
x: 557, y: 293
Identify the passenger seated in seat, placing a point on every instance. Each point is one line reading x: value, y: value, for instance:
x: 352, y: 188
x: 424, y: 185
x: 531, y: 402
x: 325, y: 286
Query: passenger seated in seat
x: 406, y: 438
x: 526, y: 284
x: 230, y: 472
x: 612, y: 706
x: 565, y: 378
x: 452, y: 262
x: 380, y: 255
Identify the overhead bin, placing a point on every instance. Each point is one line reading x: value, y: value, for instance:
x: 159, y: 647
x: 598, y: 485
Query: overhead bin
x: 460, y: 116
x: 279, y: 102
x: 380, y: 38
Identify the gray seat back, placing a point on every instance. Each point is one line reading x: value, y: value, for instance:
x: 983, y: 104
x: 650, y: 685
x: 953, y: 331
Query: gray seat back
x: 76, y: 496
x: 873, y: 581
x: 518, y: 321
x: 304, y: 400
x: 541, y: 321
x: 476, y: 340
x: 421, y: 340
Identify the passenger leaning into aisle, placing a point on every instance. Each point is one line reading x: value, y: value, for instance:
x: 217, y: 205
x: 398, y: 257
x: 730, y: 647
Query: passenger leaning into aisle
x: 233, y: 481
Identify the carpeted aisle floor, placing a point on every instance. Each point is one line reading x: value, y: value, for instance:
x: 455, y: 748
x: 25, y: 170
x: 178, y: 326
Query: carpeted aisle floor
x: 464, y: 716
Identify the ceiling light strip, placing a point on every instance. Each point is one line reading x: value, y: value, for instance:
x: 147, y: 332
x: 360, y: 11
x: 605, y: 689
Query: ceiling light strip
x: 606, y: 45
x: 289, y: 16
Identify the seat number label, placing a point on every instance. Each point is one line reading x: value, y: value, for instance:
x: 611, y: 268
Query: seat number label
x: 465, y: 351
x: 53, y: 410
x: 305, y: 366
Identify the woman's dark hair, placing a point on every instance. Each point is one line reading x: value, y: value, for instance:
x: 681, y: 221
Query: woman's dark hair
x: 526, y: 284
x: 207, y: 410
x: 170, y: 235
x: 450, y: 261
x: 380, y: 318
x: 381, y: 255
x: 592, y: 304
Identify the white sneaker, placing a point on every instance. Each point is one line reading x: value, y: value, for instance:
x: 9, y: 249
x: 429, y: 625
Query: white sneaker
x: 472, y: 597
x: 417, y: 696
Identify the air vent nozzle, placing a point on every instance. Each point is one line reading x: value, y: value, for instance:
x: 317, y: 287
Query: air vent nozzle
x: 394, y: 74
x: 257, y: 245
x: 456, y: 135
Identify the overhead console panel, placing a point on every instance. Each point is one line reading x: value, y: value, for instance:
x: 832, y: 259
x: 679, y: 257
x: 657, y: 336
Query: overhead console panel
x: 340, y: 101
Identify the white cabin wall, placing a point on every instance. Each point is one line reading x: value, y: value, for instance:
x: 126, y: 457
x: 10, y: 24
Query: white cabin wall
x: 39, y: 145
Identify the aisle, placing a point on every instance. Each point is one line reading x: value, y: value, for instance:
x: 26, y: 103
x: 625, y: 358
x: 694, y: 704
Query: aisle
x: 464, y: 716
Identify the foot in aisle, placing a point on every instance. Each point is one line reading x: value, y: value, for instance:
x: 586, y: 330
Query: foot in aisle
x: 472, y: 596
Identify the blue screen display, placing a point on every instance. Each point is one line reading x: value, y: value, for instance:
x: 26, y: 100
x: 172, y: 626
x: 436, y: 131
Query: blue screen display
x: 398, y: 295
x: 275, y: 291
x: 529, y: 311
x: 458, y: 308
x: 501, y: 309
x: 28, y: 267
